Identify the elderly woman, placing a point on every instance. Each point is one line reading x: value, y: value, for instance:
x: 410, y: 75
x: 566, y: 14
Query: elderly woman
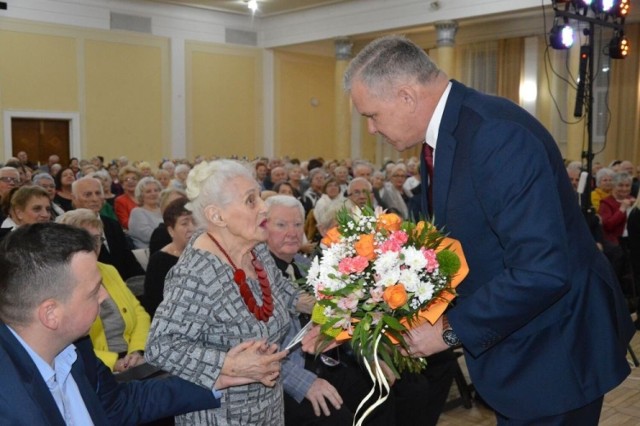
x: 129, y: 177
x: 29, y: 204
x: 120, y: 332
x: 145, y: 218
x: 109, y: 197
x: 45, y: 180
x: 224, y: 289
x: 179, y: 224
x: 160, y: 236
x: 604, y: 185
x: 392, y: 194
x: 613, y: 209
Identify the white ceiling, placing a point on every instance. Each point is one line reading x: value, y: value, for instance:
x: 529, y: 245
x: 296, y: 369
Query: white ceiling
x: 265, y: 7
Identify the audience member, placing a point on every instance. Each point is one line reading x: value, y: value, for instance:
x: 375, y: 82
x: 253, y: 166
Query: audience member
x: 160, y: 236
x: 107, y: 196
x: 628, y: 168
x: 29, y: 204
x: 116, y: 186
x: 63, y: 180
x: 48, y: 300
x: 392, y: 193
x: 129, y: 177
x: 163, y: 177
x: 120, y: 331
x: 604, y: 185
x: 178, y: 221
x: 145, y: 218
x: 45, y: 180
x: 180, y: 176
x: 115, y: 250
x: 315, y: 190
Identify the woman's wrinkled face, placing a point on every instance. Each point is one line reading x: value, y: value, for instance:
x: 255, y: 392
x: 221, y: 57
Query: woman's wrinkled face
x: 245, y: 216
x: 622, y: 190
x: 129, y: 182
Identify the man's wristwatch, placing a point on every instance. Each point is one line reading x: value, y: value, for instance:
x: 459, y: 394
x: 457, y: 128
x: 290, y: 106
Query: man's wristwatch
x: 448, y: 335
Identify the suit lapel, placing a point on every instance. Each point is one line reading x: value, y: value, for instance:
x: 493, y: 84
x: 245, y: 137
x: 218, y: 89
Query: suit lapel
x: 444, y: 153
x: 33, y: 383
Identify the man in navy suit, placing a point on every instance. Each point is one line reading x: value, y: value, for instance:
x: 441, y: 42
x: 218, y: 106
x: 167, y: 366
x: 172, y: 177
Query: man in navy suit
x: 50, y: 292
x: 540, y: 315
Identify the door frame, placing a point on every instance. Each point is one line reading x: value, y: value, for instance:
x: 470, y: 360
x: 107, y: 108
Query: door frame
x: 72, y: 117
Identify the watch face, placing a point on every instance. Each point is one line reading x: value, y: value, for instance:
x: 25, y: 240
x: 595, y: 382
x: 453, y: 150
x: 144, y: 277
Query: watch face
x: 450, y: 338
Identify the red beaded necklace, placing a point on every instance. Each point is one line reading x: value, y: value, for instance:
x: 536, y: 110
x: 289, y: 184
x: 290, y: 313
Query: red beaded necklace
x: 262, y: 313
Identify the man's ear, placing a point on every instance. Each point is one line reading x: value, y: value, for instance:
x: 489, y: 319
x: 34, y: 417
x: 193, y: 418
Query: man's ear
x: 408, y: 96
x: 49, y: 314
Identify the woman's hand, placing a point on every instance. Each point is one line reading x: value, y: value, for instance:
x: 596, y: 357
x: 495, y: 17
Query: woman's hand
x: 305, y: 303
x: 253, y: 361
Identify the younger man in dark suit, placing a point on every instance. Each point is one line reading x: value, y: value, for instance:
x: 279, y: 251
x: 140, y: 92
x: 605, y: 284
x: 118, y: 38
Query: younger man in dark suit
x: 48, y: 300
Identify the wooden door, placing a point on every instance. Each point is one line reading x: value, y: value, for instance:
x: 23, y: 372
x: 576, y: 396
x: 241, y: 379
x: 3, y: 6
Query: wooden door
x: 40, y: 138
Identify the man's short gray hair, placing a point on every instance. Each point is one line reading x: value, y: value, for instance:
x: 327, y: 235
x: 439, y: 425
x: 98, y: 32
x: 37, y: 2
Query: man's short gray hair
x: 284, y: 201
x: 388, y: 60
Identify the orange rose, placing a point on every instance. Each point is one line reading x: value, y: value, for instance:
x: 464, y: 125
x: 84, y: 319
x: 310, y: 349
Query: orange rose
x: 389, y: 221
x: 331, y: 237
x: 419, y: 227
x: 395, y: 296
x: 364, y: 247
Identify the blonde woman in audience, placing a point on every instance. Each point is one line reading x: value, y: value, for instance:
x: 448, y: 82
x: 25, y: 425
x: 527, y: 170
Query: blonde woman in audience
x: 119, y: 333
x: 145, y: 169
x: 29, y: 204
x: 129, y: 177
x: 147, y: 216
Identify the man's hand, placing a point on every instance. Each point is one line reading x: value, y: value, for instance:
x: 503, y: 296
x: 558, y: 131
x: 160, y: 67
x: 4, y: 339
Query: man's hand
x: 319, y: 393
x: 310, y: 340
x: 425, y: 340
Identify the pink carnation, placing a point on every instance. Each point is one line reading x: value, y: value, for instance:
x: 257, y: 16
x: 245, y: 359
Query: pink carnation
x: 350, y: 265
x: 399, y: 236
x: 376, y: 294
x: 432, y: 262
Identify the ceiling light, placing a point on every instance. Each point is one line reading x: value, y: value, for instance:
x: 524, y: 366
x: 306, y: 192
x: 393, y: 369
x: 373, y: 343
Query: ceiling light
x: 253, y: 5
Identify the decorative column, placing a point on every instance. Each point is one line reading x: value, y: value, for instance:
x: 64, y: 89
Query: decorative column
x: 446, y: 35
x: 342, y: 108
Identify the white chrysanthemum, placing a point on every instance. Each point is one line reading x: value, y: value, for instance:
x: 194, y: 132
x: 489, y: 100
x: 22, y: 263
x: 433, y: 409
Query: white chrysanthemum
x: 424, y: 291
x: 386, y: 262
x: 410, y: 280
x: 389, y: 278
x: 414, y: 258
x: 314, y: 271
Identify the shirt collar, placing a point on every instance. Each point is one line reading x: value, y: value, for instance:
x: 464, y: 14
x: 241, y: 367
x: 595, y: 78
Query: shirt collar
x: 62, y: 362
x: 434, y: 125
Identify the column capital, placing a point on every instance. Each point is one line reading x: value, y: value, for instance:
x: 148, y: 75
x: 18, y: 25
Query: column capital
x: 343, y: 47
x: 446, y: 33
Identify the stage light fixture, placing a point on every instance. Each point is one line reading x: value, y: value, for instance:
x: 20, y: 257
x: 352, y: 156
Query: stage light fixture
x: 619, y: 47
x: 620, y: 8
x: 561, y: 36
x: 604, y: 6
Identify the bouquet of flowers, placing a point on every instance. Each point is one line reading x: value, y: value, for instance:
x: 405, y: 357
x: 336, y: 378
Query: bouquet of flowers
x: 378, y: 277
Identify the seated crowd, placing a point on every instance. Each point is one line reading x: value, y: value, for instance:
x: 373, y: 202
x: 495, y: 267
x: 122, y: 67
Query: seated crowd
x: 135, y: 209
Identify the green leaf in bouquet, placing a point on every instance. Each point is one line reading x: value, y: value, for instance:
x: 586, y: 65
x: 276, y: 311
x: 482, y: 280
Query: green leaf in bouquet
x: 393, y: 323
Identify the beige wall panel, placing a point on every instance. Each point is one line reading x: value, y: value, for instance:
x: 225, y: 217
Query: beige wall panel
x: 224, y: 89
x: 304, y: 128
x: 127, y: 96
x: 38, y: 72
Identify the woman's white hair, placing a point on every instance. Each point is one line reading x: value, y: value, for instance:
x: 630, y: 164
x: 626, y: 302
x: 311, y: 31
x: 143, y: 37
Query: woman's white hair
x: 207, y: 185
x: 148, y: 180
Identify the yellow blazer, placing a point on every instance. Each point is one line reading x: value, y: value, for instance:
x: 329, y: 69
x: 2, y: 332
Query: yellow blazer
x: 136, y: 319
